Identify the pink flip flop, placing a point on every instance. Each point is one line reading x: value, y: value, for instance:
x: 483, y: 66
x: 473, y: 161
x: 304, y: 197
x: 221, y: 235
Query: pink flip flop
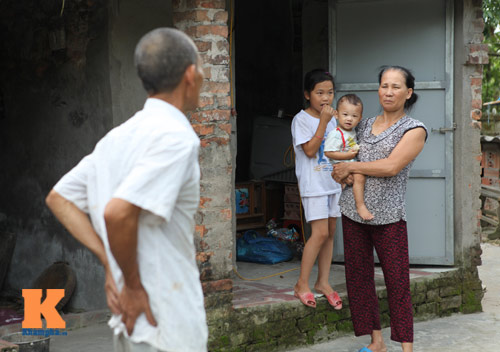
x: 306, y: 298
x: 334, y: 300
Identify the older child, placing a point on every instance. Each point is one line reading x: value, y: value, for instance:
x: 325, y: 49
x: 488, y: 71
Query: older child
x: 318, y: 191
x: 341, y: 145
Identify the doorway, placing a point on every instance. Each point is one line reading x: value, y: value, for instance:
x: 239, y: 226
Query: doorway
x: 417, y: 34
x: 275, y: 43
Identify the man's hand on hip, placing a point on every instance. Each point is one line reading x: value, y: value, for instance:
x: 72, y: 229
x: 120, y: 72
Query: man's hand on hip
x: 134, y: 302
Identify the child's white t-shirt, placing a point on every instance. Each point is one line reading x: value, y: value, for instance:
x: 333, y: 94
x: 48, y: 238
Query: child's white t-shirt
x: 340, y: 140
x: 313, y: 174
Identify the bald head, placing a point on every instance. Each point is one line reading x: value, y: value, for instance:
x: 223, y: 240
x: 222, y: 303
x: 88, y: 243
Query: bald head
x: 161, y: 58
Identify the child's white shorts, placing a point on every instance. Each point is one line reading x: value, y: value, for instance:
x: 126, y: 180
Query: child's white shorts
x: 321, y: 207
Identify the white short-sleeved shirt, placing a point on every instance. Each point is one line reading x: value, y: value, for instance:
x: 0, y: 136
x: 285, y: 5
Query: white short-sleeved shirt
x: 151, y: 161
x: 313, y: 174
x: 340, y: 140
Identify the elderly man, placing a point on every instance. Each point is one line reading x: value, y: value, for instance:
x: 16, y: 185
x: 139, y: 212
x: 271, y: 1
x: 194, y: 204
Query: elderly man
x: 140, y: 187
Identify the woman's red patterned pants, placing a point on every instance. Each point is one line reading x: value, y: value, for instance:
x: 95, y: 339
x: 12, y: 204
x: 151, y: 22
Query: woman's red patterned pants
x: 391, y: 243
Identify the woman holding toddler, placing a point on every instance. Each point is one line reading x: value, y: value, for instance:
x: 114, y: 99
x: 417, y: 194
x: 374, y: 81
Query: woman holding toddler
x: 389, y: 143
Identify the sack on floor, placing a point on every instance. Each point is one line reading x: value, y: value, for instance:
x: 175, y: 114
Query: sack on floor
x: 284, y: 234
x: 264, y: 250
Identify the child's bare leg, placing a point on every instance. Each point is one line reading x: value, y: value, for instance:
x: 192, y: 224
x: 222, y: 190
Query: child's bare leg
x: 325, y: 260
x: 358, y: 189
x: 313, y: 246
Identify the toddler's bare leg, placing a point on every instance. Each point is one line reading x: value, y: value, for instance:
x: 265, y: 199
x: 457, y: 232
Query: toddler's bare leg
x: 358, y: 188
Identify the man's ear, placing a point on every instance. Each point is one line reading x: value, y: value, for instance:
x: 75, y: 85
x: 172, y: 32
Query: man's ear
x: 190, y: 75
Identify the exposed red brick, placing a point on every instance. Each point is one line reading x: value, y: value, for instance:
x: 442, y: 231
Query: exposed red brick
x: 473, y: 48
x: 473, y: 60
x: 478, y: 54
x: 476, y: 114
x: 198, y: 31
x: 208, y: 4
x: 204, y: 245
x: 205, y: 272
x: 477, y: 104
x: 217, y: 140
x: 203, y: 130
x: 478, y: 24
x: 206, y: 101
x: 201, y: 230
x: 210, y: 115
x: 223, y: 45
x: 224, y: 101
x: 204, y: 200
x: 203, y: 46
x: 476, y: 124
x: 221, y: 16
x: 221, y: 74
x: 212, y: 59
x: 193, y: 15
x: 227, y: 213
x: 476, y: 81
x: 216, y: 87
x: 217, y: 286
x: 204, y: 256
x: 226, y: 127
x: 207, y: 71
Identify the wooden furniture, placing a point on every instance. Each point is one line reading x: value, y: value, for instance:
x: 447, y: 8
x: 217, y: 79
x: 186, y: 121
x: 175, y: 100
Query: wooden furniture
x: 250, y: 205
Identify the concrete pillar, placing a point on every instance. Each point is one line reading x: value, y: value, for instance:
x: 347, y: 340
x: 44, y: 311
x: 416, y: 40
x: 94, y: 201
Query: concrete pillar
x: 470, y: 55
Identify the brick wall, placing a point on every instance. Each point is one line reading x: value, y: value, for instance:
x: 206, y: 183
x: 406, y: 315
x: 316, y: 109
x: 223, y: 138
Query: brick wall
x: 205, y: 22
x: 490, y: 164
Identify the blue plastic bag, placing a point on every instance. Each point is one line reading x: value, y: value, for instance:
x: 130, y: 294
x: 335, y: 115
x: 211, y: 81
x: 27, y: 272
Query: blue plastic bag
x: 264, y: 250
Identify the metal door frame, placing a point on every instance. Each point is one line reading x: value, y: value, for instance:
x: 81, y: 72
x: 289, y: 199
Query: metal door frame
x: 449, y: 258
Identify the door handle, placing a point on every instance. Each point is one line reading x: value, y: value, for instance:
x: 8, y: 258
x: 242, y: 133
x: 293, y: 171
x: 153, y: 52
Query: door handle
x: 443, y: 130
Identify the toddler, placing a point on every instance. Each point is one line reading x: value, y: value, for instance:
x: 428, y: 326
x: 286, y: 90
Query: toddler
x: 341, y: 145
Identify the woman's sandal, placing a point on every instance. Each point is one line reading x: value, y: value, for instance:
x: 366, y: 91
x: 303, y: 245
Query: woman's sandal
x: 306, y: 298
x: 334, y: 300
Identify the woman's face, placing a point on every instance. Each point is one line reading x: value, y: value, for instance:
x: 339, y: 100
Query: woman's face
x: 393, y: 92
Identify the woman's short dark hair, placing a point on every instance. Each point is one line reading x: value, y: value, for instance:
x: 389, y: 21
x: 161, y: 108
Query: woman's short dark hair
x: 316, y: 76
x: 409, y: 81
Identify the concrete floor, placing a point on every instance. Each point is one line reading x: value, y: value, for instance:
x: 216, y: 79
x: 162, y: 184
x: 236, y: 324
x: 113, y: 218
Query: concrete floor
x: 277, y: 281
x: 473, y: 332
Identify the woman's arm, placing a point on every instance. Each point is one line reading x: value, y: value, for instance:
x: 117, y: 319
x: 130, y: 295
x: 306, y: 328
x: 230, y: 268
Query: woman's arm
x: 405, y: 151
